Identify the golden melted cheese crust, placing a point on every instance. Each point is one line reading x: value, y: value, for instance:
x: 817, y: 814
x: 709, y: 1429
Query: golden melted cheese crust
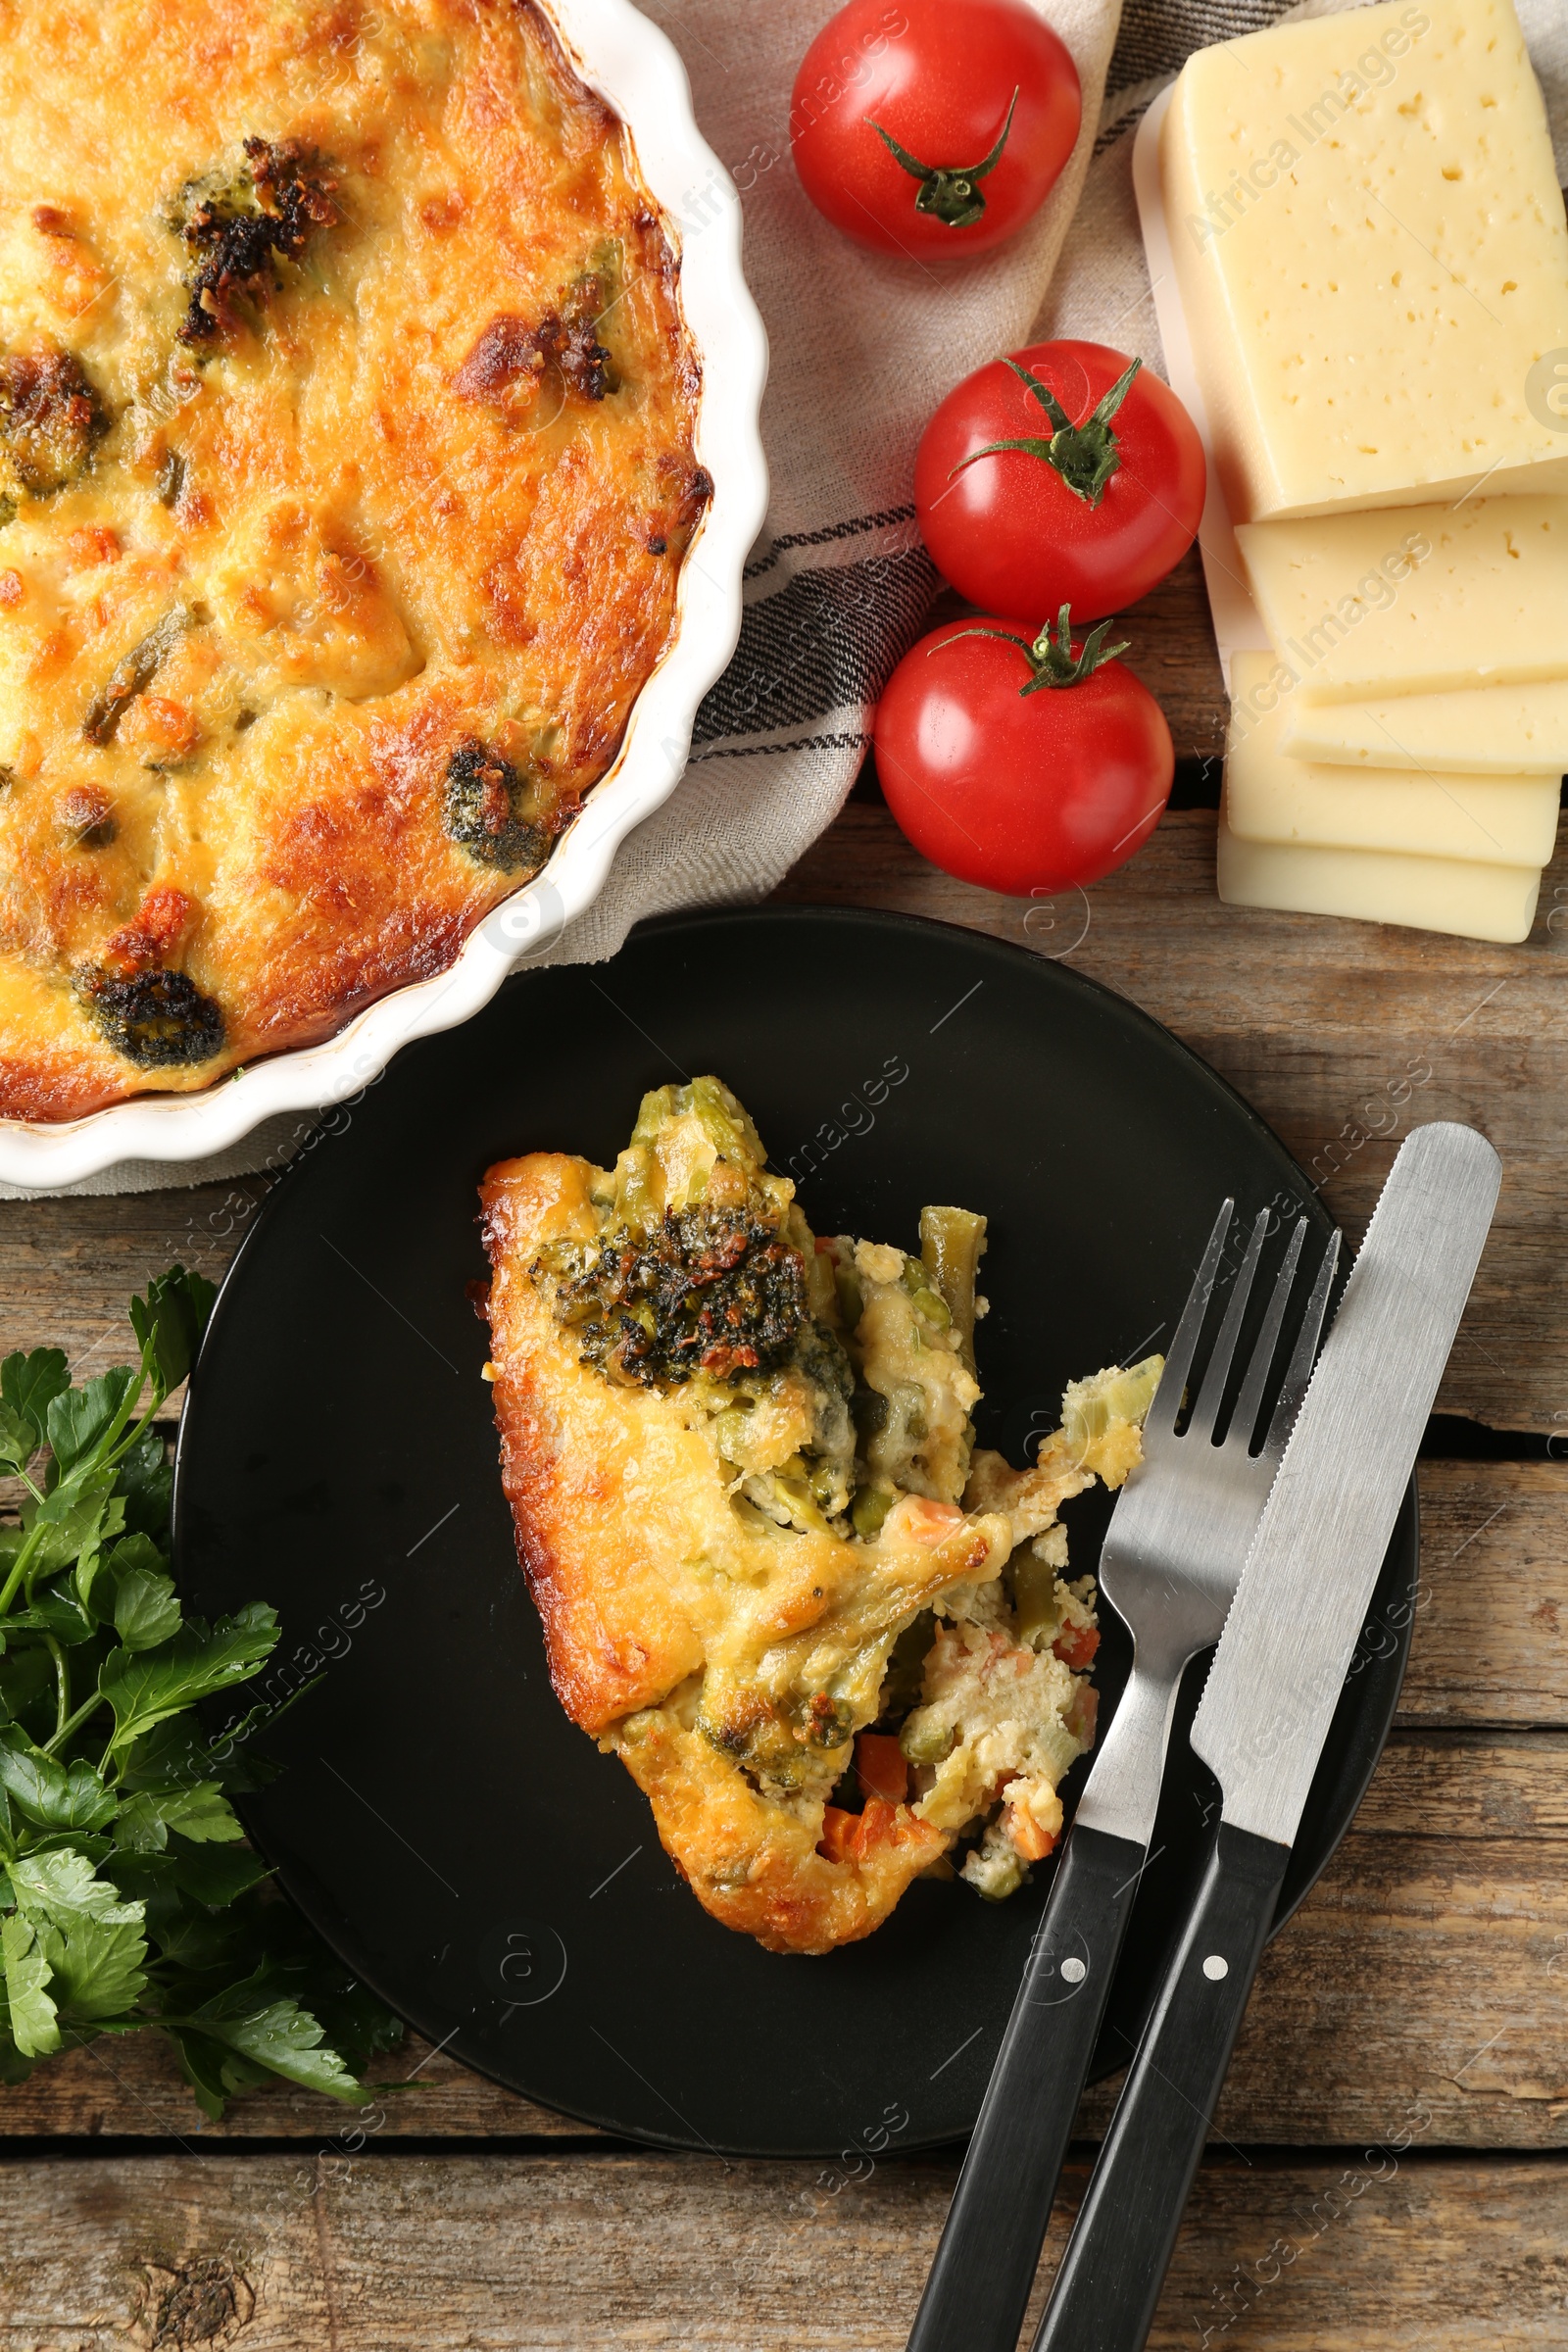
x: 346, y: 469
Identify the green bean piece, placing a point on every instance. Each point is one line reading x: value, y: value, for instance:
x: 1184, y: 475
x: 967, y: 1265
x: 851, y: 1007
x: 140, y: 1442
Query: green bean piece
x: 1034, y: 1592
x: 951, y: 1244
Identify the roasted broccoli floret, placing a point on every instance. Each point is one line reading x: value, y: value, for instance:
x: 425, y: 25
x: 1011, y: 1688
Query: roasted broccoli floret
x: 156, y: 1018
x: 267, y: 213
x: 483, y: 795
x: 50, y: 417
x: 710, y: 1290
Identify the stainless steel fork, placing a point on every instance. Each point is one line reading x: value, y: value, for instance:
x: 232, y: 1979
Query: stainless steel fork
x: 1171, y: 1561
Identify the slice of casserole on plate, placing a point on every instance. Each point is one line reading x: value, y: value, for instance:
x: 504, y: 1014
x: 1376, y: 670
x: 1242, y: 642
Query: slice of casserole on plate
x: 830, y: 1640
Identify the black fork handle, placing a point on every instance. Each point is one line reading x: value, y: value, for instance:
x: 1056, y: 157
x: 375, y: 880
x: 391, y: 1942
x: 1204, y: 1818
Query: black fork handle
x: 1107, y: 2289
x: 985, y: 2266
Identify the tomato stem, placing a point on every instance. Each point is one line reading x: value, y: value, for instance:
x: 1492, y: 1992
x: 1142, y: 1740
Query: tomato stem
x: 1052, y: 662
x: 949, y: 192
x: 1086, y: 455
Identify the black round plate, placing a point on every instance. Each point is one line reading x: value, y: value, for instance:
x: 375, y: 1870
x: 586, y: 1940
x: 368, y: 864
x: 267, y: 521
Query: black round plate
x: 464, y: 1848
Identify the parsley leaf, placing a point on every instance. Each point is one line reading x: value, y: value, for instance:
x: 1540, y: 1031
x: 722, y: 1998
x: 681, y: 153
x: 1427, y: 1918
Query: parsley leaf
x: 146, y: 1485
x: 203, y: 1814
x: 62, y: 1888
x: 171, y: 1319
x: 96, y: 1964
x: 52, y: 1795
x: 30, y: 1384
x: 274, y: 2032
x: 32, y: 2014
x: 18, y: 1440
x: 78, y: 1418
x: 146, y: 1609
x: 146, y: 1687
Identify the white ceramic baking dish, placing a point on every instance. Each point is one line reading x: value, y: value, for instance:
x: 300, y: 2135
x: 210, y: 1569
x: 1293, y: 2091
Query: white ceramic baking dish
x: 633, y: 65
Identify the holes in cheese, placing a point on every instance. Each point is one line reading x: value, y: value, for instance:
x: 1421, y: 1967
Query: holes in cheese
x: 1375, y: 886
x: 1270, y: 797
x: 1371, y: 252
x: 1478, y: 730
x: 1416, y: 600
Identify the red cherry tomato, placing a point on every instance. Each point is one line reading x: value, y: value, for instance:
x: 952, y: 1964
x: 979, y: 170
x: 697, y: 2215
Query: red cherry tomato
x: 1024, y: 788
x: 1097, y: 529
x: 934, y: 128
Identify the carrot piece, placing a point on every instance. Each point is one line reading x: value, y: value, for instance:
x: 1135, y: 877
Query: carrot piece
x: 1075, y: 1646
x: 878, y: 1826
x: 880, y: 1767
x: 1029, y: 1838
x: 838, y: 1832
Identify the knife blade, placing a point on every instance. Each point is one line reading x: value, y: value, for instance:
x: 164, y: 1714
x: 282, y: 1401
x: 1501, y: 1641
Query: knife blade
x: 1327, y: 1523
x: 1268, y: 1705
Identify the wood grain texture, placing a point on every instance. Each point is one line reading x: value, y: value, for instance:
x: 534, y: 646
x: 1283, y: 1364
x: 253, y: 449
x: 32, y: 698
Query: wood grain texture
x: 1490, y: 1639
x: 1447, y: 1906
x: 525, y: 2254
x: 1341, y: 1034
x: 67, y: 1267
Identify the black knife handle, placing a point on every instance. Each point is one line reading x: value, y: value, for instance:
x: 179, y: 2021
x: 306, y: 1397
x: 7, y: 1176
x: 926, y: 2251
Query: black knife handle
x: 1106, y: 2292
x: 975, y: 2297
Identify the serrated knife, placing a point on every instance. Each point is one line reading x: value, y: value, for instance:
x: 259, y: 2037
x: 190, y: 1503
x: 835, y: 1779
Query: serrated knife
x: 1267, y: 1706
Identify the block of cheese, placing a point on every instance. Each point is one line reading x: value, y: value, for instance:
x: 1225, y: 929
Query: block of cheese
x: 1374, y: 886
x: 1496, y: 820
x: 1416, y: 600
x: 1478, y: 730
x: 1372, y: 257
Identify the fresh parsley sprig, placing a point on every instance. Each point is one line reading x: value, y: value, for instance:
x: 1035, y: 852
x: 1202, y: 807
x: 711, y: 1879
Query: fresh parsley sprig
x: 129, y: 1898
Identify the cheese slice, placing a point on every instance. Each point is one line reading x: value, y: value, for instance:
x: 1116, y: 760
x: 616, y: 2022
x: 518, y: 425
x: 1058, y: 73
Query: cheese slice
x: 1478, y: 730
x: 1371, y: 253
x: 1496, y: 820
x: 1416, y: 600
x: 1373, y: 885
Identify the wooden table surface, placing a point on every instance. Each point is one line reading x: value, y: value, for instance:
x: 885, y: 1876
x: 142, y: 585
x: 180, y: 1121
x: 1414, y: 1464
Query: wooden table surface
x: 1390, y: 2162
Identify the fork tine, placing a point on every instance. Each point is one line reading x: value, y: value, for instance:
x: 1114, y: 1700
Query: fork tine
x: 1205, y: 1411
x: 1304, y: 1354
x: 1159, y: 1422
x: 1244, y: 1420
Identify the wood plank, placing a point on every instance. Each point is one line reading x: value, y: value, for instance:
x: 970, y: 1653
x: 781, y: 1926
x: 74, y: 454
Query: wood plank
x: 500, y: 2253
x: 1491, y: 1641
x: 1441, y: 1925
x: 1339, y: 1033
x: 131, y: 2088
x: 68, y: 1268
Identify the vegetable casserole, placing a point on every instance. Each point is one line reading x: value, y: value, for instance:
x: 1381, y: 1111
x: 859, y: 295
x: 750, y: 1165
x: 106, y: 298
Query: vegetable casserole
x: 346, y: 467
x: 830, y: 1640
